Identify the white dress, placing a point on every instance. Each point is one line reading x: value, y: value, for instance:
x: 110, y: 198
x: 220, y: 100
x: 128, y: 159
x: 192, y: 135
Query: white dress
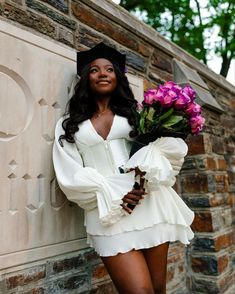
x: 88, y: 173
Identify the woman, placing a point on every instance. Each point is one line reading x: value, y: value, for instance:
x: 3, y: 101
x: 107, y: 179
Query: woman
x: 92, y: 145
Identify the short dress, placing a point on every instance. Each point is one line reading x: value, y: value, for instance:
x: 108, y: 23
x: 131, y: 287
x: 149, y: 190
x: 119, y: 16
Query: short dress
x: 89, y: 173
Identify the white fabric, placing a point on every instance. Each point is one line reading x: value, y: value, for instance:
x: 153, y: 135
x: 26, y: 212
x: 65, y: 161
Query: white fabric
x: 88, y: 173
x: 87, y: 187
x: 140, y: 239
x: 161, y: 160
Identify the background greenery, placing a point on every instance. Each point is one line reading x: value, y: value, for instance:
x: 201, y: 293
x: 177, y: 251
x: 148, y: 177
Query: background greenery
x: 204, y: 28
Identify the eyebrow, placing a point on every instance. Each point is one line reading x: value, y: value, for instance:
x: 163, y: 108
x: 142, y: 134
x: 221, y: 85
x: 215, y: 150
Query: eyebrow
x: 96, y: 65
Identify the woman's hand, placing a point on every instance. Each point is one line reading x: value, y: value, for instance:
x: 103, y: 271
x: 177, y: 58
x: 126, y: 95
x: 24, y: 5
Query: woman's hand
x: 131, y: 199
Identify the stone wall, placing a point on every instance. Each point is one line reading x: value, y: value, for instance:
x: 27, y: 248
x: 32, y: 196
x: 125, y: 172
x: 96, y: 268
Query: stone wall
x: 206, y: 183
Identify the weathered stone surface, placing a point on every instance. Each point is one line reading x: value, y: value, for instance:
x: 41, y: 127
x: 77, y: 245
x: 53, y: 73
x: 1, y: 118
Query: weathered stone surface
x: 61, y: 5
x: 203, y: 222
x: 197, y: 183
x: 212, y: 220
x: 204, y: 285
x: 196, y: 145
x: 79, y: 281
x: 51, y: 13
x: 158, y: 75
x: 197, y: 200
x: 210, y: 265
x: 217, y: 145
x: 87, y: 37
x: 106, y: 288
x: 68, y: 264
x: 29, y: 19
x: 205, y: 200
x: 34, y: 275
x: 101, y: 24
x: 212, y: 243
x: 39, y: 290
x: 136, y: 61
x: 162, y: 61
x: 66, y: 37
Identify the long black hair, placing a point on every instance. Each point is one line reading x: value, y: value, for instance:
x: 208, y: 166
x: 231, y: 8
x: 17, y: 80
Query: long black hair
x: 82, y: 104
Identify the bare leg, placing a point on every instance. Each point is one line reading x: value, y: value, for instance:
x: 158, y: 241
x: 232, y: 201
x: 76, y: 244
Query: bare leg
x: 156, y: 259
x: 129, y: 272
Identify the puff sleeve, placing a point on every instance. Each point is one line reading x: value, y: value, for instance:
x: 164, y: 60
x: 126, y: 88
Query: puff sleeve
x: 161, y: 160
x: 86, y: 186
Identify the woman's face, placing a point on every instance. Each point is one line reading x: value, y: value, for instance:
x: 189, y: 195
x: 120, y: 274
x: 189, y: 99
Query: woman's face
x: 102, y: 78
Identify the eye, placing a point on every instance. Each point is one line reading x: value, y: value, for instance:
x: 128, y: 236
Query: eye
x: 93, y: 70
x: 110, y: 69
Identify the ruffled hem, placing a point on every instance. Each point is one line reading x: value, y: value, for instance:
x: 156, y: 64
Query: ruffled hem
x: 162, y: 206
x: 147, y: 238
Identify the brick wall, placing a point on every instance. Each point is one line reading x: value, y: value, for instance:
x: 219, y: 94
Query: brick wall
x: 207, y: 181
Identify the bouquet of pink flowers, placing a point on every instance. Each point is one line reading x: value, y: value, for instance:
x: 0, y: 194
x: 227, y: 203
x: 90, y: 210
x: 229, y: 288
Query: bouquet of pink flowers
x: 167, y: 111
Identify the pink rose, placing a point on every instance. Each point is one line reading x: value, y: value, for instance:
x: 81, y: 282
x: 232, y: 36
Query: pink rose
x: 165, y: 96
x: 172, y: 86
x: 182, y: 101
x: 149, y: 96
x: 193, y: 109
x: 190, y: 92
x: 197, y: 123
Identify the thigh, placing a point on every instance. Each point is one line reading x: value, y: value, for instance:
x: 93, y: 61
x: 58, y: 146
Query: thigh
x: 156, y: 259
x: 129, y: 272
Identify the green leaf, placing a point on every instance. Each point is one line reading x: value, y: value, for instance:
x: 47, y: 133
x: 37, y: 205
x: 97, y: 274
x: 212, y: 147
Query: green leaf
x: 142, y: 128
x: 166, y: 115
x: 150, y: 114
x: 174, y: 119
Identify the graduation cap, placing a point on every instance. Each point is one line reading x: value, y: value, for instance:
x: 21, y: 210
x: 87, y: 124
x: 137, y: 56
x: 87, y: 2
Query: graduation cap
x: 100, y: 51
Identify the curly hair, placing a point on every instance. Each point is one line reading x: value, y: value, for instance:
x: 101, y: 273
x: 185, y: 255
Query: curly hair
x: 82, y: 104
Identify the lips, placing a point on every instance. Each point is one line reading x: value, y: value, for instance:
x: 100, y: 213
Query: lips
x: 103, y: 82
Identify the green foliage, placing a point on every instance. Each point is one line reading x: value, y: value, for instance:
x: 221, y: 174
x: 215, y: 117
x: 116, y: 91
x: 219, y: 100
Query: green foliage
x: 190, y: 25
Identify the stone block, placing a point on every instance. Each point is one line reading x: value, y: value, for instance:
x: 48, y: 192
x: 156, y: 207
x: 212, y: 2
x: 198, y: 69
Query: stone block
x: 205, y: 200
x: 210, y: 265
x: 212, y: 220
x: 203, y: 222
x: 61, y: 5
x: 221, y: 164
x: 189, y: 164
x: 204, y: 285
x: 68, y: 264
x: 54, y: 15
x: 217, y: 145
x: 25, y: 278
x: 197, y: 200
x: 106, y: 288
x: 135, y: 61
x: 162, y: 61
x: 102, y: 24
x: 196, y: 183
x: 39, y: 290
x: 221, y: 181
x: 87, y: 37
x: 66, y: 37
x: 29, y: 19
x: 212, y: 243
x: 196, y: 145
x: 144, y: 49
x: 79, y: 281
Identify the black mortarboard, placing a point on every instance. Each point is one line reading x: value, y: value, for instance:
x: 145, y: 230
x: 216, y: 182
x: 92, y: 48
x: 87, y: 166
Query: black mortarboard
x: 100, y: 51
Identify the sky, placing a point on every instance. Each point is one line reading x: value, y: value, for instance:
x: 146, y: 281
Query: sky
x: 215, y: 61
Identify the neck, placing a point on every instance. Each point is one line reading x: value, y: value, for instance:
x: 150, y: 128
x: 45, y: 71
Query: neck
x: 102, y: 104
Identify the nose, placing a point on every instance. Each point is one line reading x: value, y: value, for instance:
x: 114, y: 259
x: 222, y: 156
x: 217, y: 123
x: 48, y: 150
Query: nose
x: 102, y: 72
